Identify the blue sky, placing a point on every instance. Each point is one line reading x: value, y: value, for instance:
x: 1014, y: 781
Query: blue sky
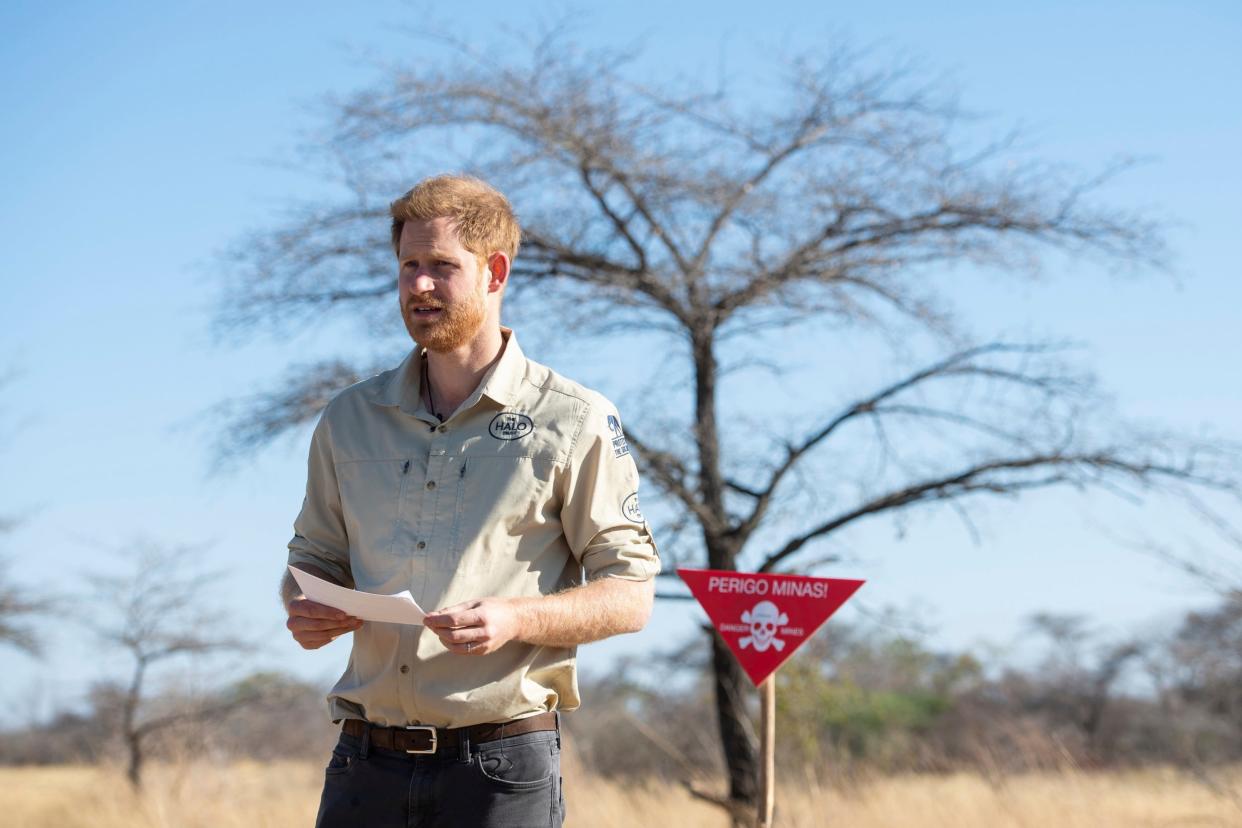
x: 140, y: 138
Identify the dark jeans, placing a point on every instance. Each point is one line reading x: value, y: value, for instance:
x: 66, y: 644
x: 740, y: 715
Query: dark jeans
x: 510, y: 782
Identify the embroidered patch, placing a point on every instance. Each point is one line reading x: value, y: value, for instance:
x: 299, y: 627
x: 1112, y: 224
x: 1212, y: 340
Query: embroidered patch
x: 510, y: 425
x: 630, y: 509
x: 619, y: 446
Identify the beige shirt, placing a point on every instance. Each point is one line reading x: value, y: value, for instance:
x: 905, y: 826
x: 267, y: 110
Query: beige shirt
x: 526, y: 486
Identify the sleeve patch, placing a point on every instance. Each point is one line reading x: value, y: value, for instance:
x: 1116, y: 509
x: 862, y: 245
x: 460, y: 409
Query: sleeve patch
x: 619, y: 447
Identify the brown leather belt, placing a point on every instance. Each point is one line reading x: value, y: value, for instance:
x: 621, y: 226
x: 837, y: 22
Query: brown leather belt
x: 427, y: 739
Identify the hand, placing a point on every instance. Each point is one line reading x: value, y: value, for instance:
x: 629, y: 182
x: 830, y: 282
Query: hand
x: 475, y: 627
x: 314, y: 625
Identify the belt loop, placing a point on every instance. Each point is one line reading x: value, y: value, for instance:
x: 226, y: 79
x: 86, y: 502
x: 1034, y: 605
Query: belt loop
x: 463, y: 744
x: 366, y: 742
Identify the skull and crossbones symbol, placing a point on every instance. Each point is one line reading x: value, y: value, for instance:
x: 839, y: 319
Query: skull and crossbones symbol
x: 763, y: 621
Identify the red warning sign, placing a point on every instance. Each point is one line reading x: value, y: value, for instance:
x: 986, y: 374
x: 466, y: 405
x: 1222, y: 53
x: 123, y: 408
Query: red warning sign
x: 764, y: 618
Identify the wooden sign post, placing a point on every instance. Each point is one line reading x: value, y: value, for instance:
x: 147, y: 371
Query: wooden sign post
x: 767, y: 751
x: 762, y: 619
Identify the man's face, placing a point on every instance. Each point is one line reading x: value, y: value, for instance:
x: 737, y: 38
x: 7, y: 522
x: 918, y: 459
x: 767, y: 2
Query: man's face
x: 440, y: 285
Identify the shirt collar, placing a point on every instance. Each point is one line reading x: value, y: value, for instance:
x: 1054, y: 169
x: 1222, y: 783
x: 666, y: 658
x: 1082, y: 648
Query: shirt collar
x: 501, y: 383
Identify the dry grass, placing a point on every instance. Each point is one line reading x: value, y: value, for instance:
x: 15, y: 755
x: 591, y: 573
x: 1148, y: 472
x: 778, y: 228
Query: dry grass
x: 282, y: 795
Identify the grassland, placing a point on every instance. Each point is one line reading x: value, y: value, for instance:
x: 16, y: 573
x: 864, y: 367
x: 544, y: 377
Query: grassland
x: 284, y: 795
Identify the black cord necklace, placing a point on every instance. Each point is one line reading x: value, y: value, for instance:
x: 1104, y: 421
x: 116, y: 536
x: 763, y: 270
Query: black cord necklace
x: 431, y: 400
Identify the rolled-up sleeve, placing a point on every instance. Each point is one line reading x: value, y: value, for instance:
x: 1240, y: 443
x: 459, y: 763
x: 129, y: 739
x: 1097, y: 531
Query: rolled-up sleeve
x: 319, y: 536
x: 600, y: 514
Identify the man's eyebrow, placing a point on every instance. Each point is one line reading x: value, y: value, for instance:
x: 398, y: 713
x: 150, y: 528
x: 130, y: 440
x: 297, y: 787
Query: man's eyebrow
x: 432, y: 254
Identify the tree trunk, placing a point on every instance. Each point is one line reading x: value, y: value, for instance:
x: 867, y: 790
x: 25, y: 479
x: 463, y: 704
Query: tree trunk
x: 730, y: 683
x: 129, y: 722
x: 707, y: 436
x: 741, y: 759
x: 134, y: 771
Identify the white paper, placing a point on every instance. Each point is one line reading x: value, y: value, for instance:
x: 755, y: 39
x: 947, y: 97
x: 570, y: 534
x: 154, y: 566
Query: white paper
x: 395, y: 609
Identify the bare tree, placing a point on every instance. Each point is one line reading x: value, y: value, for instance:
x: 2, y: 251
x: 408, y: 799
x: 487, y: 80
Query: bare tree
x: 157, y: 610
x: 1079, y: 686
x: 20, y: 605
x: 829, y: 198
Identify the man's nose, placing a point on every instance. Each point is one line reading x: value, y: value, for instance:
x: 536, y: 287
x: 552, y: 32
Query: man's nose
x: 422, y: 282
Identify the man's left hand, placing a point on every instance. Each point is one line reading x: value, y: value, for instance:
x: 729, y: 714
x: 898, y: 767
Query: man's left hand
x: 475, y: 627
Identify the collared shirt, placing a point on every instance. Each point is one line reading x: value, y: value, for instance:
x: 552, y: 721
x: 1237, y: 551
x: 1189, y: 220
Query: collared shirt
x: 525, y: 487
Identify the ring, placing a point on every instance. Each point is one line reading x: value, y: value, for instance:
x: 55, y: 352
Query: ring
x: 469, y: 646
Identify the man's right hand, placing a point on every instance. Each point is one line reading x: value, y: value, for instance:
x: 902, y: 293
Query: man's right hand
x: 314, y: 625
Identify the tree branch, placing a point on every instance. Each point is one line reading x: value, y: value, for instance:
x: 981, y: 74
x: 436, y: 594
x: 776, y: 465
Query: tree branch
x: 956, y: 365
x: 983, y: 478
x: 671, y: 474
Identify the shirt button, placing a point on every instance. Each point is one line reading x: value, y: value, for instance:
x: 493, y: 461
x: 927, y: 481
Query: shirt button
x: 431, y: 484
x: 422, y: 544
x: 405, y: 668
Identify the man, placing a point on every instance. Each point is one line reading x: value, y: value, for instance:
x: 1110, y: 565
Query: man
x: 484, y: 484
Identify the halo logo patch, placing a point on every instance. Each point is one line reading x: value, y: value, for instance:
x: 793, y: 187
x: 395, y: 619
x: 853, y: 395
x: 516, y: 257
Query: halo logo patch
x: 510, y: 425
x: 630, y: 509
x: 619, y: 447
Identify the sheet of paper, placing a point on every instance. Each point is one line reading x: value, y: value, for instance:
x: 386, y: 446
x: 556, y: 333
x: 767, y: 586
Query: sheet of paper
x: 395, y: 609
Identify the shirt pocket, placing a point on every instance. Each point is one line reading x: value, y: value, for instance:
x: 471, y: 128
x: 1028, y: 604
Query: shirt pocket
x: 371, y: 496
x: 500, y: 499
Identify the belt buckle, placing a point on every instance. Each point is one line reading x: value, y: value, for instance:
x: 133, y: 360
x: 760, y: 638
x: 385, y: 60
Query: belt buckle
x: 434, y: 741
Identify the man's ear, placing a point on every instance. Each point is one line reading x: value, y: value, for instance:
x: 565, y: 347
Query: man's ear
x: 498, y: 266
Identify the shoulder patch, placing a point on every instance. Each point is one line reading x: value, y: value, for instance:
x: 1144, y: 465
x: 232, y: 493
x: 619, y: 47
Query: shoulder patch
x: 619, y: 447
x: 630, y: 509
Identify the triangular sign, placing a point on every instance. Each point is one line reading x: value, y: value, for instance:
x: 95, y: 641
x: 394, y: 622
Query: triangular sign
x: 764, y: 618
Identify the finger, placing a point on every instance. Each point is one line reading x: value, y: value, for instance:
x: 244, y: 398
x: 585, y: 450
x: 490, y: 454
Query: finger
x: 460, y: 618
x: 307, y: 608
x: 313, y: 639
x: 464, y: 605
x: 438, y: 621
x: 466, y: 635
x: 449, y: 616
x: 469, y: 649
x: 300, y: 624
